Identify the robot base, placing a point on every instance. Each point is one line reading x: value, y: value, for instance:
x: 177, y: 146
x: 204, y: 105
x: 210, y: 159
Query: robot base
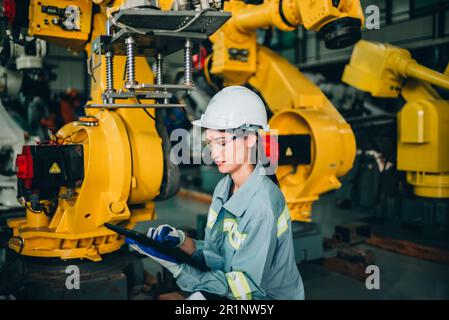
x: 112, y: 278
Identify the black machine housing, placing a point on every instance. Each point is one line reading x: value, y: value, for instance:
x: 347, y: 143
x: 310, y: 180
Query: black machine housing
x: 53, y: 167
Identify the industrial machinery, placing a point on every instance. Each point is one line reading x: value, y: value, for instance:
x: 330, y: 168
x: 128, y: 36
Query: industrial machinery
x: 316, y: 144
x: 349, y: 101
x: 422, y: 152
x: 114, y: 174
x: 112, y: 164
x: 300, y: 111
x: 308, y: 166
x: 11, y: 142
x: 24, y: 103
x: 26, y: 111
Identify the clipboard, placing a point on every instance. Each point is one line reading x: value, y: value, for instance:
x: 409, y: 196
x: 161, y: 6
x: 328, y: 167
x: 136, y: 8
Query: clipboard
x: 176, y: 253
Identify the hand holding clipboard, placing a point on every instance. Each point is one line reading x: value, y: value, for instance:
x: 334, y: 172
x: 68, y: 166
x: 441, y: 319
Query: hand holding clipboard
x: 175, y: 253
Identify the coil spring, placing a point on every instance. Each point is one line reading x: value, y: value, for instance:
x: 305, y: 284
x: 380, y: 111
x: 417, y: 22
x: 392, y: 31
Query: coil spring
x: 109, y: 71
x: 188, y: 63
x: 130, y: 60
x: 159, y: 69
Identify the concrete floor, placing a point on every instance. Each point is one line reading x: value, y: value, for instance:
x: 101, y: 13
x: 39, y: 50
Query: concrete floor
x: 401, y: 277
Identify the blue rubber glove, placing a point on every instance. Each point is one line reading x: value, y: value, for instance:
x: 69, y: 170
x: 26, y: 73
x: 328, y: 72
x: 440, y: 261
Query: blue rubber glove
x: 167, y: 235
x: 167, y: 262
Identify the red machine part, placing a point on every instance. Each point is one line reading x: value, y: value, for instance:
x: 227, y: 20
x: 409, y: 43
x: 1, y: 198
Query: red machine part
x: 200, y: 58
x: 24, y: 166
x: 9, y: 10
x: 271, y: 147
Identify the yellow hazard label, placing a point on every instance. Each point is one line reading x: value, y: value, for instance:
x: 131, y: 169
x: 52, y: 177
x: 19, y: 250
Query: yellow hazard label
x: 55, y: 168
x: 289, y: 152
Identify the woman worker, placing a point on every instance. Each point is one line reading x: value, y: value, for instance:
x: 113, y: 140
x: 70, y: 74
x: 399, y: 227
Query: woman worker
x: 248, y: 243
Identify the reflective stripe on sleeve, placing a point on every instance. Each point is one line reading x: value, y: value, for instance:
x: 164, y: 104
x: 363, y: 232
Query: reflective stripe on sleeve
x: 235, y: 238
x: 229, y: 224
x: 282, y: 224
x: 239, y: 286
x: 211, y: 218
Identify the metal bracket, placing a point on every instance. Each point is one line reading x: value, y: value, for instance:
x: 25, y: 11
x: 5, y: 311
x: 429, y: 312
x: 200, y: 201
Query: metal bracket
x: 135, y: 106
x: 138, y: 95
x: 159, y: 87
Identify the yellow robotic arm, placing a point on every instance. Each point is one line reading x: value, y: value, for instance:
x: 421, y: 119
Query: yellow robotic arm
x: 235, y: 46
x: 299, y: 108
x: 423, y: 152
x: 286, y: 15
x: 122, y: 141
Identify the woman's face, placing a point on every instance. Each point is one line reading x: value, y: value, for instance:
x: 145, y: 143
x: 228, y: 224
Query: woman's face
x: 229, y: 150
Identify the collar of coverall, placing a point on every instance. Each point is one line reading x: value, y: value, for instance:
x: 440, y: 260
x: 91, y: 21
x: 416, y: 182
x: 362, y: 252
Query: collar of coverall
x: 240, y: 200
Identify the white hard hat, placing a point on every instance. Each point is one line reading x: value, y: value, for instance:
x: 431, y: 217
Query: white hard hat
x: 234, y: 107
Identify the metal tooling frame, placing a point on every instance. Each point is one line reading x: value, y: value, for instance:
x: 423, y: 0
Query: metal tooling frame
x: 146, y: 91
x: 155, y: 26
x: 150, y: 29
x: 137, y: 105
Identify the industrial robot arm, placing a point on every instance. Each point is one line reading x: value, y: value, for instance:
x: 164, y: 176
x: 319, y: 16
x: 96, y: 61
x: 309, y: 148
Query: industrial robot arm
x: 316, y: 144
x: 388, y: 71
x: 110, y: 165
